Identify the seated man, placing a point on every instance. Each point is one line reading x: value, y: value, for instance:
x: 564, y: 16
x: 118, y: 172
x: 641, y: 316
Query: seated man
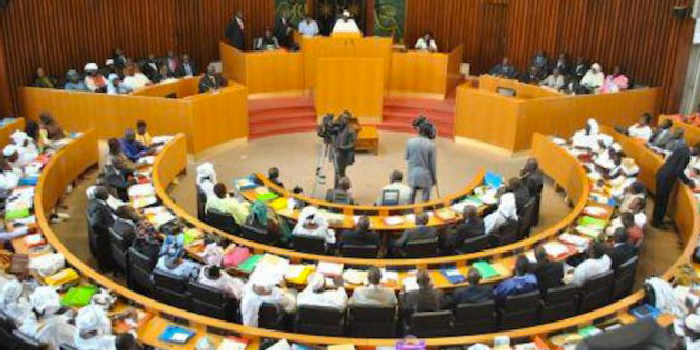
x: 554, y: 81
x: 186, y: 68
x: 598, y: 262
x: 594, y: 79
x: 621, y: 251
x: 74, y: 83
x: 531, y: 77
x: 126, y: 223
x: 142, y: 135
x: 426, y: 43
x: 635, y: 233
x: 314, y: 225
x: 308, y: 27
x: 420, y: 233
x: 211, y: 81
x: 273, y: 175
x: 267, y: 41
x: 256, y: 293
x: 131, y: 148
x: 662, y: 134
x: 471, y: 227
x: 522, y: 281
x: 373, y: 294
x: 475, y: 293
x: 341, y: 194
x: 426, y: 298
x: 361, y: 235
x: 315, y: 293
x: 345, y: 24
x: 550, y: 274
x: 397, y: 189
x: 677, y: 140
x: 641, y: 130
x: 504, y: 69
x: 224, y: 203
x: 178, y: 266
x: 212, y: 276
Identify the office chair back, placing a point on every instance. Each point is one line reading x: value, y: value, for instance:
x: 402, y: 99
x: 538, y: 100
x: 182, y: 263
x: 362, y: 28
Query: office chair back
x: 624, y: 278
x: 222, y: 221
x: 140, y: 267
x: 520, y: 311
x: 421, y: 248
x: 201, y: 204
x: 560, y: 303
x: 270, y: 316
x: 256, y: 234
x: 359, y: 251
x: 319, y: 320
x: 476, y: 318
x: 171, y: 289
x: 431, y: 324
x: 309, y: 244
x: 505, y: 234
x: 118, y: 248
x: 474, y: 245
x: 211, y: 302
x: 366, y: 321
x: 25, y: 342
x: 597, y: 292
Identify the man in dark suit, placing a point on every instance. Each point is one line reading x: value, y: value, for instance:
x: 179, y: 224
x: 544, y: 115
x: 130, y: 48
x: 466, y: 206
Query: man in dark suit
x: 531, y: 176
x: 235, y: 31
x: 125, y: 224
x: 471, y: 227
x: 186, y: 68
x: 621, y: 251
x: 344, y: 146
x: 504, y: 70
x: 361, y: 235
x: 420, y: 233
x: 549, y: 274
x: 474, y: 293
x: 283, y: 31
x: 667, y: 176
x: 341, y: 193
x: 211, y: 81
x: 521, y: 193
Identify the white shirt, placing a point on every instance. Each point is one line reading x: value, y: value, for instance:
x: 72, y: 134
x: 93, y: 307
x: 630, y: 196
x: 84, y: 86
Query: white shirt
x: 225, y: 283
x: 308, y: 29
x: 251, y: 302
x: 342, y: 26
x: 136, y: 81
x: 640, y: 132
x: 593, y: 80
x: 404, y: 193
x: 422, y: 45
x: 8, y: 180
x: 591, y: 268
x: 330, y: 298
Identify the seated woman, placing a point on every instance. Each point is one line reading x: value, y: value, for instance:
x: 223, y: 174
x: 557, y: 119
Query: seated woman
x: 267, y: 41
x: 213, y: 276
x: 505, y: 212
x: 42, y: 80
x: 588, y: 136
x: 312, y: 224
x: 49, y: 128
x: 615, y: 82
x: 222, y: 202
x: 642, y: 130
x: 263, y: 217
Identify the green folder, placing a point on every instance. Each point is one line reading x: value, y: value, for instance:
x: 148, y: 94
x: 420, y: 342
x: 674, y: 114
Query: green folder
x: 588, y: 331
x: 592, y: 222
x: 267, y: 196
x: 79, y: 296
x: 485, y: 269
x: 249, y: 264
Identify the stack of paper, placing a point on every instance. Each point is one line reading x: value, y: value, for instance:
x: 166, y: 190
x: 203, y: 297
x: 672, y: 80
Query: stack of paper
x: 556, y: 249
x: 389, y: 277
x: 142, y: 190
x: 579, y: 242
x: 329, y: 269
x: 233, y: 343
x: 356, y: 277
x: 244, y: 184
x: 161, y: 139
x: 594, y: 211
x: 34, y: 240
x: 593, y: 233
x: 142, y: 202
x: 453, y: 275
x: 410, y: 283
x: 146, y: 160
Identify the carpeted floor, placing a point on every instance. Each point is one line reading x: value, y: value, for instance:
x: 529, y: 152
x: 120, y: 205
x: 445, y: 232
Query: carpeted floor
x: 295, y: 156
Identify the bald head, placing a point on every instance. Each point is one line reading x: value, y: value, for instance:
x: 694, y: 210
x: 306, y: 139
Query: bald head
x: 473, y: 276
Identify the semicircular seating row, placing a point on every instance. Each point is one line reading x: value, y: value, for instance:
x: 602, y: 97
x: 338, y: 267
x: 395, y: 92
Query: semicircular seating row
x: 55, y: 177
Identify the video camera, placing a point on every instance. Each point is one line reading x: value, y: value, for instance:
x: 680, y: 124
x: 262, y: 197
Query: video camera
x: 329, y: 129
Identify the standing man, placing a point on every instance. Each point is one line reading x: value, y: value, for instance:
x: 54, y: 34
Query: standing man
x: 283, y: 31
x: 235, y: 31
x: 344, y: 147
x: 672, y: 170
x: 420, y: 158
x: 345, y: 24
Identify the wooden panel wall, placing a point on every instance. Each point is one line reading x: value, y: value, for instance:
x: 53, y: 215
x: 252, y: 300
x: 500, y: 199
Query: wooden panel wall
x: 642, y: 35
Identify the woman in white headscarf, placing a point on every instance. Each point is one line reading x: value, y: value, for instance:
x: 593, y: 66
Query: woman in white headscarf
x: 315, y: 294
x: 256, y: 293
x: 506, y: 211
x: 54, y: 330
x: 93, y: 330
x: 312, y: 224
x: 594, y: 78
x: 22, y: 140
x: 206, y: 179
x: 13, y: 304
x: 588, y: 136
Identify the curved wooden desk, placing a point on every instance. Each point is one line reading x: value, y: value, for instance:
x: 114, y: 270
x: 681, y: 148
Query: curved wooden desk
x: 56, y: 176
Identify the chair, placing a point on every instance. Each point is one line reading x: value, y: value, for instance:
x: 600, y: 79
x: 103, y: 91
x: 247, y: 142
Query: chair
x: 118, y: 248
x: 201, y: 204
x: 140, y: 267
x: 171, y: 289
x: 67, y: 347
x: 431, y: 324
x: 25, y: 342
x: 473, y: 245
x: 222, y: 221
x: 359, y: 251
x: 319, y: 320
x: 624, y: 278
x: 100, y: 245
x: 476, y: 318
x: 256, y: 234
x: 525, y: 221
x: 390, y: 197
x: 520, y: 311
x: 560, y: 303
x: 505, y: 234
x: 597, y: 292
x: 7, y: 339
x: 270, y: 316
x: 6, y: 322
x: 211, y: 302
x: 372, y: 321
x: 421, y: 249
x: 309, y: 244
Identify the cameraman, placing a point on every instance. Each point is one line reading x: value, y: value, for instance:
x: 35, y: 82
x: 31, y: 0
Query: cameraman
x: 421, y: 159
x: 344, y: 146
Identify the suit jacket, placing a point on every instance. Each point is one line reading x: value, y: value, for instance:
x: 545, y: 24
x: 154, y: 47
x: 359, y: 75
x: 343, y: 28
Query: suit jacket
x: 661, y: 137
x: 466, y: 230
x: 534, y: 182
x: 522, y: 196
x: 503, y: 71
x: 121, y: 227
x: 149, y: 71
x: 181, y: 72
x: 472, y: 295
x: 208, y: 82
x: 427, y: 300
x: 622, y: 253
x: 235, y: 34
x: 419, y: 233
x: 282, y: 34
x: 549, y: 275
x: 357, y: 237
x: 674, y: 167
x: 345, y: 145
x: 100, y: 213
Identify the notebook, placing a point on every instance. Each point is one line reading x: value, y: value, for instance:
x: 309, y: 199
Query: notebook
x: 592, y: 222
x: 233, y: 343
x: 485, y: 269
x: 249, y: 264
x: 493, y: 180
x: 176, y: 335
x: 453, y: 275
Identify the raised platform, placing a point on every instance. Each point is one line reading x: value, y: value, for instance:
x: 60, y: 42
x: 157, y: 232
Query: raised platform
x: 286, y: 115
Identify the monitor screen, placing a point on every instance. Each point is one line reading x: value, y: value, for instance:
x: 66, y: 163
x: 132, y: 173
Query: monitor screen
x: 505, y: 91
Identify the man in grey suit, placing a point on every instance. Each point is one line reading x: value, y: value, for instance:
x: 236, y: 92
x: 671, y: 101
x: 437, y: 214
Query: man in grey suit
x: 421, y: 158
x: 373, y: 294
x: 420, y: 233
x: 663, y: 135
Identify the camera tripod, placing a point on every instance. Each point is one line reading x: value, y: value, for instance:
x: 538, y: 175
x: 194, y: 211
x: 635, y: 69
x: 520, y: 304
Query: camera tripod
x: 323, y: 150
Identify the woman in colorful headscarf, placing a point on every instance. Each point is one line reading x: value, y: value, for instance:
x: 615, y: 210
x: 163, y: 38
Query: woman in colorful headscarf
x: 312, y: 224
x: 262, y: 217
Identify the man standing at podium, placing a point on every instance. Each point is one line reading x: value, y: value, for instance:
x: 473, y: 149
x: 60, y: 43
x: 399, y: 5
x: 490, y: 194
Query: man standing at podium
x: 345, y: 24
x: 421, y: 158
x: 235, y: 31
